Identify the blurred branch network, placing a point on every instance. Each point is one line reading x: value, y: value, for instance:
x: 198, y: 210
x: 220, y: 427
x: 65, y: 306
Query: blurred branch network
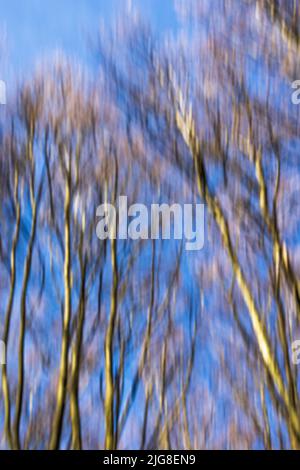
x: 140, y: 344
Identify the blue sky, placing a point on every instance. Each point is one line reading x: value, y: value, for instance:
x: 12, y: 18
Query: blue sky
x: 34, y: 28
